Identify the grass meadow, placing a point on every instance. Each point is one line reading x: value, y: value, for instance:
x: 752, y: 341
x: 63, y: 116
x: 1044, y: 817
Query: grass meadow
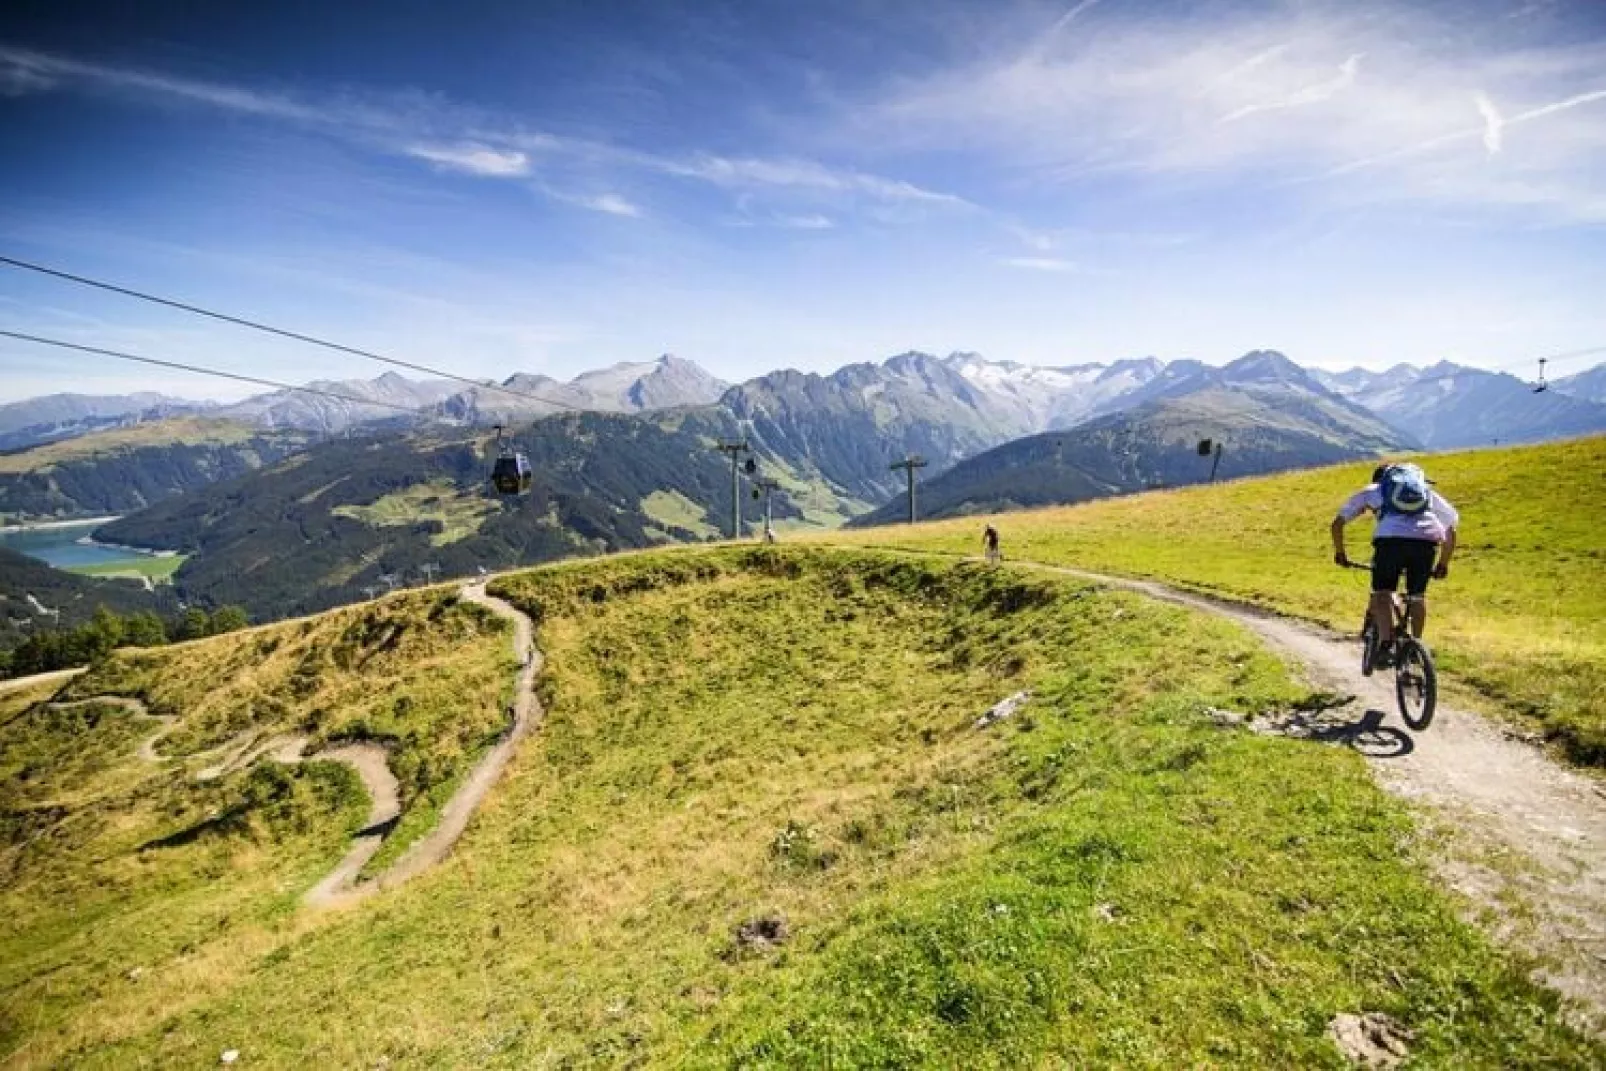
x: 1106, y: 878
x: 1522, y: 618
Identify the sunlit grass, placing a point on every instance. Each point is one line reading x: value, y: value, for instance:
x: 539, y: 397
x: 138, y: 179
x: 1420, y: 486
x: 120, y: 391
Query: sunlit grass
x: 1105, y: 879
x: 460, y: 514
x: 158, y: 568
x: 1522, y: 618
x: 192, y: 431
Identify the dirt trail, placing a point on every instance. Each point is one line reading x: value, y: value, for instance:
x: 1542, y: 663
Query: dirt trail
x: 527, y: 713
x: 370, y: 761
x: 1521, y: 823
x: 372, y: 765
x: 147, y: 747
x: 18, y: 683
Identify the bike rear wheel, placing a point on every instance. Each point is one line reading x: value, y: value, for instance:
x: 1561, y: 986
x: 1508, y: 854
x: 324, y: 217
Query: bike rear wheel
x: 1416, y: 683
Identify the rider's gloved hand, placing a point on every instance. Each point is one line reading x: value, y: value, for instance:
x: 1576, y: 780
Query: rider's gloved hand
x: 1441, y: 571
x: 1341, y: 559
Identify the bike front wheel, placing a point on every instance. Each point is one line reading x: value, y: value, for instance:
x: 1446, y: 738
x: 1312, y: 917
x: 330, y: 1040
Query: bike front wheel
x: 1416, y: 684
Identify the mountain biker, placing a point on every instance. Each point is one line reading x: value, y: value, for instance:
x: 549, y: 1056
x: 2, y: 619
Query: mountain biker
x: 989, y: 543
x: 1415, y: 524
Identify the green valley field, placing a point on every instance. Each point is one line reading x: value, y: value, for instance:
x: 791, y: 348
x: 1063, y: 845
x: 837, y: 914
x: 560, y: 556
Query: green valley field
x: 759, y: 827
x: 1522, y: 619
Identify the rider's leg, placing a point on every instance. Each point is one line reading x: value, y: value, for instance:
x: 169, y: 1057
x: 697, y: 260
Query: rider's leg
x: 1416, y: 612
x: 1418, y: 570
x: 1383, y: 615
x: 1388, y: 562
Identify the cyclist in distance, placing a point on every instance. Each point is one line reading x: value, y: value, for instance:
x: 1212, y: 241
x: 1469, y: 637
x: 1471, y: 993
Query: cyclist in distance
x: 989, y: 544
x: 1415, y: 525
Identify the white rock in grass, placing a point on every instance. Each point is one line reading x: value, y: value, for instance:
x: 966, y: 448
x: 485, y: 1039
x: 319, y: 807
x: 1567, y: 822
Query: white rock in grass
x: 1003, y: 709
x: 229, y: 1056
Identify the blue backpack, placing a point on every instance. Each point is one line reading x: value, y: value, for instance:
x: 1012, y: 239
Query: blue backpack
x: 1404, y: 489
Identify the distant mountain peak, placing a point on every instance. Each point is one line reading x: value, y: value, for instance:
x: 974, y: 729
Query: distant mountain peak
x: 1264, y: 364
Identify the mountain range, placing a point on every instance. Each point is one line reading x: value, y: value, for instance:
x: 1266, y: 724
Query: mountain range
x: 287, y: 521
x: 54, y: 417
x: 334, y: 406
x: 1449, y: 406
x: 1268, y: 413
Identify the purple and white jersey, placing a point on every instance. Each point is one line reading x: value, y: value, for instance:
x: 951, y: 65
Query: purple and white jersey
x: 1431, y: 524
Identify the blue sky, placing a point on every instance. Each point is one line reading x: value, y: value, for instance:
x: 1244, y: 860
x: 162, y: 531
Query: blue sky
x: 506, y: 186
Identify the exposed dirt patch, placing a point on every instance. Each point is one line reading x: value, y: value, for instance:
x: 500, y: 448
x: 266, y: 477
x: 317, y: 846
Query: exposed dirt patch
x: 1370, y: 1040
x: 762, y: 933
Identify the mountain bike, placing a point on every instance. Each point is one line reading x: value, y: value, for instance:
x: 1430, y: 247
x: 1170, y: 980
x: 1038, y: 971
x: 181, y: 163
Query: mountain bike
x: 1416, y: 682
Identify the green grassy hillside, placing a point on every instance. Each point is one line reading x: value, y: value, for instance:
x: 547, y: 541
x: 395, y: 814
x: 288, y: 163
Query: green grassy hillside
x: 1522, y: 617
x: 129, y: 468
x: 112, y: 867
x: 1104, y: 879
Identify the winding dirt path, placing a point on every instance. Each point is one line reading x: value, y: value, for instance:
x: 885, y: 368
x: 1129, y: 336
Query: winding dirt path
x: 527, y: 714
x: 368, y: 760
x: 371, y: 763
x: 147, y: 747
x: 1520, y: 822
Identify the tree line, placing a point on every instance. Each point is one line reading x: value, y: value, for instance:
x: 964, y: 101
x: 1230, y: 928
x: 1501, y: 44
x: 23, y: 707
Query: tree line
x: 92, y: 641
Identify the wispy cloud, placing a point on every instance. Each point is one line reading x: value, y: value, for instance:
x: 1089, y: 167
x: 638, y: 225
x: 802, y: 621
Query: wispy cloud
x: 1493, y: 123
x: 1258, y: 96
x: 474, y: 159
x: 814, y: 221
x: 454, y: 137
x: 607, y: 203
x: 744, y: 173
x: 1052, y: 264
x: 1314, y: 94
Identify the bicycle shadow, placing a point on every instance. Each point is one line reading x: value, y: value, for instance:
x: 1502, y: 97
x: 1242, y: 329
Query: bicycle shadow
x: 1330, y: 720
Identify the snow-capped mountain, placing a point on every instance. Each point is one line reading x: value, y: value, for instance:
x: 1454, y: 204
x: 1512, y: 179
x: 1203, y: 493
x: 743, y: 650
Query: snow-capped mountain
x: 1590, y: 385
x: 628, y: 387
x: 1448, y: 405
x: 384, y: 398
x: 67, y: 416
x: 1054, y: 397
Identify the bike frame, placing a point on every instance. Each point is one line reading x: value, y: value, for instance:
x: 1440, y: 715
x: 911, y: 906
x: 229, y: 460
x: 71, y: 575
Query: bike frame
x: 1416, y: 687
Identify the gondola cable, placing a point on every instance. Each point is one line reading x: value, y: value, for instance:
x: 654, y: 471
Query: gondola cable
x: 297, y: 336
x: 515, y: 477
x: 201, y: 370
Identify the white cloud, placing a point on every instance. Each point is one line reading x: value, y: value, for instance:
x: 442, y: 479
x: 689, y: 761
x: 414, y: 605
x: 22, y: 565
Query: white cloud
x: 1253, y: 97
x: 1314, y: 94
x: 474, y: 159
x: 1492, y: 122
x: 1052, y: 264
x: 809, y: 175
x: 459, y: 138
x: 610, y: 203
x: 43, y: 71
x: 814, y: 221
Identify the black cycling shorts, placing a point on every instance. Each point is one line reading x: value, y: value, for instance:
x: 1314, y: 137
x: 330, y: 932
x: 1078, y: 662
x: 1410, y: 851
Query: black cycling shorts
x: 1392, y: 556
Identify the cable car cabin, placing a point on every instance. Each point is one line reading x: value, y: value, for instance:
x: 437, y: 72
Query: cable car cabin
x: 511, y: 475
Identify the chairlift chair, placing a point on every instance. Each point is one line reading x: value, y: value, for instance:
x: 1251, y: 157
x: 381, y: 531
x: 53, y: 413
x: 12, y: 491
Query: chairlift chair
x: 1541, y: 386
x: 510, y: 473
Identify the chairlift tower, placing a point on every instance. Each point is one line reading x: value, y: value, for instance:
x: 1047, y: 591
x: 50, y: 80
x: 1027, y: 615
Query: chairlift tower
x: 735, y: 448
x: 767, y: 486
x: 908, y: 465
x: 1212, y: 448
x: 429, y: 569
